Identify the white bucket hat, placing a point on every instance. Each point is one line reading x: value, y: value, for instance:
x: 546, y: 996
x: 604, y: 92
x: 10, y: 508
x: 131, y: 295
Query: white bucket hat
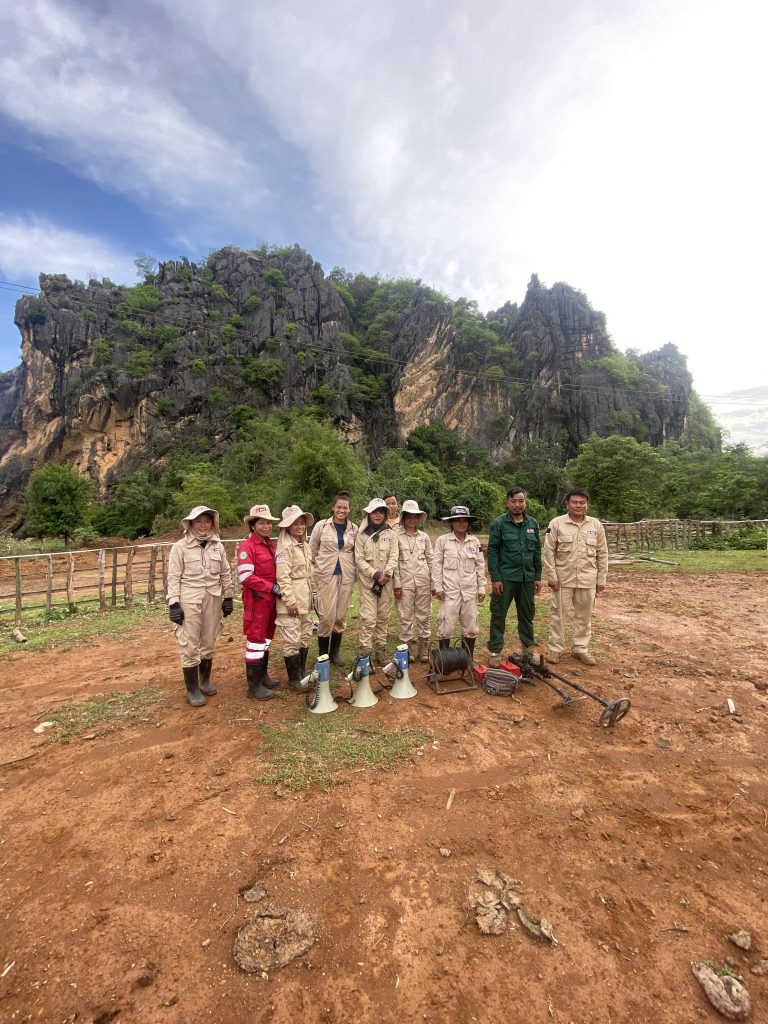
x: 291, y: 514
x: 375, y: 505
x: 411, y: 507
x: 259, y: 512
x: 200, y: 510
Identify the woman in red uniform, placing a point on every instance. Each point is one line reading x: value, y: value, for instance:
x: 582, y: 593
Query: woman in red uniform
x: 258, y: 578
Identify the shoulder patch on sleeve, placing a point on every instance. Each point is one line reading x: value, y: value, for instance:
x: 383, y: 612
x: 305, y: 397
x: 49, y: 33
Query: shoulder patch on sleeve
x: 243, y: 554
x: 280, y: 558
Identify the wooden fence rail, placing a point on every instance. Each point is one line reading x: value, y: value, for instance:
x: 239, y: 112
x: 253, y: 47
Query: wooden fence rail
x: 106, y: 576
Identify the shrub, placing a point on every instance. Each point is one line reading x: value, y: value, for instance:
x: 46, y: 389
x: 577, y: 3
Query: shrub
x: 129, y: 327
x: 266, y: 375
x: 102, y: 351
x: 746, y: 538
x: 217, y: 395
x: 236, y: 321
x: 252, y: 303
x: 143, y: 298
x: 275, y: 277
x: 139, y: 363
x: 289, y: 331
x: 164, y: 406
x: 197, y: 368
x: 220, y: 292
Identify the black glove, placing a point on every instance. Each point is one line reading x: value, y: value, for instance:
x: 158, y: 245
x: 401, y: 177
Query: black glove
x: 377, y: 587
x: 276, y: 590
x: 227, y: 607
x: 176, y: 613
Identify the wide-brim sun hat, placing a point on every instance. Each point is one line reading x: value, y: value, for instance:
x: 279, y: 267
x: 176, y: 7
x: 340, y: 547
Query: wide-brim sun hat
x: 411, y: 508
x: 376, y: 505
x: 259, y: 512
x: 458, y: 512
x: 200, y: 510
x: 291, y: 514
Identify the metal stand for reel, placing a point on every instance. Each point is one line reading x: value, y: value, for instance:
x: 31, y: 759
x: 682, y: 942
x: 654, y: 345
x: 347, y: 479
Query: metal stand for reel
x: 449, y: 674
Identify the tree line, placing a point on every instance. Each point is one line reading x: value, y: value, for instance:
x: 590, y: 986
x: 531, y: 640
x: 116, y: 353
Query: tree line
x: 298, y: 457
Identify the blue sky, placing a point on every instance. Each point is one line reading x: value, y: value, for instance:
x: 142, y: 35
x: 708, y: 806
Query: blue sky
x: 613, y: 145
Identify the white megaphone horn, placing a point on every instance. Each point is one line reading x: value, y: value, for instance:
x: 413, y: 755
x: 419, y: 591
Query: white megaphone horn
x: 363, y: 697
x: 320, y: 678
x: 402, y: 688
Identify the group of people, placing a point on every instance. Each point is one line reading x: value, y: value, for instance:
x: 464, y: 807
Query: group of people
x: 284, y: 582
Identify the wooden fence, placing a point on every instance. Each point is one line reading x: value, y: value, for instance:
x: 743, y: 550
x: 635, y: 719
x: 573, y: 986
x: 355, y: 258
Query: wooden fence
x: 118, y: 575
x: 656, y: 534
x: 103, y: 576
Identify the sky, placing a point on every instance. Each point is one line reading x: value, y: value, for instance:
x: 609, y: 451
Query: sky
x: 618, y: 146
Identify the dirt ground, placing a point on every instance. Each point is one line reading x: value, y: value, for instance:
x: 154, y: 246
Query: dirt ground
x: 122, y: 857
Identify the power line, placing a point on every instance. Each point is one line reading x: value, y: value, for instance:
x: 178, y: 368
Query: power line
x: 373, y: 356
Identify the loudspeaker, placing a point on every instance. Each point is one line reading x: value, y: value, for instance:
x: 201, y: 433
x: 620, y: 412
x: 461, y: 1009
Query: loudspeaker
x: 402, y: 688
x: 363, y: 697
x: 320, y: 678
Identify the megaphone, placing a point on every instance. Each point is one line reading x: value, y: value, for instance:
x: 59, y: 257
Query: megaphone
x: 320, y: 679
x: 363, y: 697
x: 402, y: 688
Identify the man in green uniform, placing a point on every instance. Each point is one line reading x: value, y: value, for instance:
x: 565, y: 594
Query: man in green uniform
x: 514, y: 563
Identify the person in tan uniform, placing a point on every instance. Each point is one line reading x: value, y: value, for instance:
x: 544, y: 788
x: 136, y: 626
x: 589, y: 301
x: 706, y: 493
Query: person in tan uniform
x: 575, y: 566
x: 458, y: 579
x: 413, y: 578
x: 332, y: 550
x: 199, y: 594
x: 294, y: 606
x: 376, y: 554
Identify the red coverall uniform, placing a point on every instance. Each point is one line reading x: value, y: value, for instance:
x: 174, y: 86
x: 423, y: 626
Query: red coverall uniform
x: 257, y: 574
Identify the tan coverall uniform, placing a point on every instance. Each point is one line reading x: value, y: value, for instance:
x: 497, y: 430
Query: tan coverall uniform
x: 198, y: 578
x: 334, y: 592
x: 294, y: 574
x: 372, y: 556
x: 576, y: 555
x: 413, y: 576
x: 458, y: 569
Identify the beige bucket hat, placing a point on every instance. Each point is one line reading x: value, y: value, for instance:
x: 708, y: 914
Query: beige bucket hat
x: 411, y: 507
x: 291, y: 514
x: 259, y: 512
x: 375, y: 505
x: 200, y: 510
x: 458, y: 512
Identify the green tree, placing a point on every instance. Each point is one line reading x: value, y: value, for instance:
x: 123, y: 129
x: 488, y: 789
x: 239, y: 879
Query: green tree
x: 623, y: 476
x: 57, y: 500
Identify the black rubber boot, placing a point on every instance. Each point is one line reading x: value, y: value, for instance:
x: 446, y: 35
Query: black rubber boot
x: 303, y: 652
x: 323, y: 643
x: 206, y: 686
x: 334, y: 651
x: 293, y: 668
x: 469, y: 644
x: 192, y: 683
x: 255, y: 672
x: 268, y: 680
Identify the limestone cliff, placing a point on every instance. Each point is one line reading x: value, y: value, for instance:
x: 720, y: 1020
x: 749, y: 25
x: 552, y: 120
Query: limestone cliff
x: 112, y: 378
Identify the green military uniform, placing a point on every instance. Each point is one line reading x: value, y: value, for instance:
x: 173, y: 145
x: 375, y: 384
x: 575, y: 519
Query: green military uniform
x: 514, y: 559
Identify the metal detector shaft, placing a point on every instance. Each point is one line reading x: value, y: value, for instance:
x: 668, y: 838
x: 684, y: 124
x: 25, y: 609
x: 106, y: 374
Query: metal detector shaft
x: 614, y: 710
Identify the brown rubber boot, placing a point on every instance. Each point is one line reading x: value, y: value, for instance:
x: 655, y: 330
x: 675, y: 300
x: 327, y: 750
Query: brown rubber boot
x: 423, y: 649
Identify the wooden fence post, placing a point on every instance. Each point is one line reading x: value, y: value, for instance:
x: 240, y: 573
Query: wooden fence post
x: 114, y: 577
x: 102, y: 579
x: 71, y: 582
x: 128, y: 584
x: 49, y: 584
x: 152, y: 571
x: 18, y: 591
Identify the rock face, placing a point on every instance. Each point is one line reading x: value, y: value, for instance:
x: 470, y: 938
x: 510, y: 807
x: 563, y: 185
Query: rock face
x: 114, y: 378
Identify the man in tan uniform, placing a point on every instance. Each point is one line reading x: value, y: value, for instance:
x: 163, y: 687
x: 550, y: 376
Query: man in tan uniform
x: 575, y: 566
x: 376, y: 554
x: 332, y: 550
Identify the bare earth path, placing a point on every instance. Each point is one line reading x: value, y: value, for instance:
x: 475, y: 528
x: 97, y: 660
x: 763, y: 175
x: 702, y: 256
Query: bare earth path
x: 121, y: 858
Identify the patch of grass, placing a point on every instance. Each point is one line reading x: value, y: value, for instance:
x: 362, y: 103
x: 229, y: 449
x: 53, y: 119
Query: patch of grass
x: 722, y: 970
x: 100, y: 714
x: 699, y: 561
x: 64, y: 630
x: 311, y: 750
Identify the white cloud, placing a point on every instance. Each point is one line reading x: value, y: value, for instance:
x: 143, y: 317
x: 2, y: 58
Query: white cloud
x: 31, y: 245
x: 98, y: 94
